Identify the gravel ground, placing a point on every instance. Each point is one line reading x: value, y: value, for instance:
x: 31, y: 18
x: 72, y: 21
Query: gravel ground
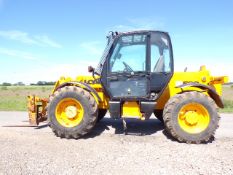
x: 147, y: 150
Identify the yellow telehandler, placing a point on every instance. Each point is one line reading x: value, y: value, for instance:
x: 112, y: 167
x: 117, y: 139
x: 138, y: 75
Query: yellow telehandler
x: 135, y: 78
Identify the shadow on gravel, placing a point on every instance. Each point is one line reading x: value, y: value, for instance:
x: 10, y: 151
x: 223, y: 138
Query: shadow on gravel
x: 41, y: 126
x: 168, y: 136
x: 134, y: 127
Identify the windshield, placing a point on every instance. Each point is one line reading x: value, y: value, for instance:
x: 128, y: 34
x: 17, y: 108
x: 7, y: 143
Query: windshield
x: 129, y: 54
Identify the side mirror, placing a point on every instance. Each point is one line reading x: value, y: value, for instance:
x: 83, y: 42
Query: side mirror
x: 90, y: 69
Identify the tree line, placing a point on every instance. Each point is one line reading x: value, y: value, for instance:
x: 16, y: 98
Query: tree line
x: 44, y: 83
x: 39, y: 83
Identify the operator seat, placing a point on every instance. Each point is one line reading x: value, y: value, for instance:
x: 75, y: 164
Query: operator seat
x: 159, y: 66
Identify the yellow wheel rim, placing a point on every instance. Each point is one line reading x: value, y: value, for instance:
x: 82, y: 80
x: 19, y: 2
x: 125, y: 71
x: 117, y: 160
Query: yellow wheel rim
x: 69, y: 112
x: 193, y: 118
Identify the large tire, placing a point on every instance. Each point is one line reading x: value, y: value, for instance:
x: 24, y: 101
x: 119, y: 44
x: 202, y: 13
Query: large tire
x: 72, y: 112
x: 159, y: 115
x: 101, y: 114
x: 191, y: 117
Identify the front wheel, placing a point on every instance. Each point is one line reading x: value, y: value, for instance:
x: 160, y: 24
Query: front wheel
x: 72, y: 112
x: 191, y: 117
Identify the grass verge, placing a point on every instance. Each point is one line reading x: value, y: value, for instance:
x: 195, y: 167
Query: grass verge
x: 14, y: 98
x: 228, y: 106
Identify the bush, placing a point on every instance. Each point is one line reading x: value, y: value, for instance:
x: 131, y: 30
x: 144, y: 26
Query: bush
x: 228, y: 103
x: 19, y: 84
x: 228, y: 106
x: 6, y: 84
x: 4, y: 88
x: 43, y: 89
x: 43, y: 83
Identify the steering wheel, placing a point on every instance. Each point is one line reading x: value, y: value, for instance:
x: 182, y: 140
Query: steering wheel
x: 127, y: 67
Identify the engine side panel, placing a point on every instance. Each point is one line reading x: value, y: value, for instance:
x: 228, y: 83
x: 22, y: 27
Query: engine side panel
x: 202, y: 76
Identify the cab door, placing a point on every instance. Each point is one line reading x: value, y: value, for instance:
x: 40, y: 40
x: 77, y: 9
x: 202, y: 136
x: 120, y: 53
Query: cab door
x: 126, y: 74
x: 161, y: 61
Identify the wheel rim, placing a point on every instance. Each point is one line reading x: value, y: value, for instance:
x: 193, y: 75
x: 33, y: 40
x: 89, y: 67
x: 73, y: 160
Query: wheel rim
x: 193, y: 118
x: 69, y: 112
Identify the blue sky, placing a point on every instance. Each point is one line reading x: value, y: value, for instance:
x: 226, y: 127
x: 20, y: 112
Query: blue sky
x: 42, y: 40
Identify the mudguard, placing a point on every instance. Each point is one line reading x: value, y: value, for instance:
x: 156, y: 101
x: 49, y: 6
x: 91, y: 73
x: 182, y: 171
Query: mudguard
x: 212, y: 93
x: 82, y: 85
x: 37, y: 106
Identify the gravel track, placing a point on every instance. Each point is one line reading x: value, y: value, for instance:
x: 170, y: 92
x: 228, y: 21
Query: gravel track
x: 147, y: 150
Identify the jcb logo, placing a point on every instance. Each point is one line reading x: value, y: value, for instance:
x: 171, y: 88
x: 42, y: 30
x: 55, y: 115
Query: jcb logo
x: 96, y: 81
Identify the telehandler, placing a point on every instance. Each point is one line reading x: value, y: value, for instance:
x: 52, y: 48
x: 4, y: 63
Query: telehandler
x: 134, y: 79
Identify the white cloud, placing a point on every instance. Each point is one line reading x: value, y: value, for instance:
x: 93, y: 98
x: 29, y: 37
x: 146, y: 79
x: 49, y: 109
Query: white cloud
x: 146, y: 23
x: 18, y: 36
x: 23, y: 37
x: 46, y: 72
x: 140, y: 24
x: 215, y: 68
x: 44, y: 39
x: 93, y: 48
x: 221, y: 70
x: 124, y: 28
x: 17, y: 54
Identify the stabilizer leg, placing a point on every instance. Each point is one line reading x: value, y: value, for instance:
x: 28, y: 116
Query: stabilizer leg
x: 124, y: 126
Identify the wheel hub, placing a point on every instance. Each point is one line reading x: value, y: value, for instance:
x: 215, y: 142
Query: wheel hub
x: 191, y: 118
x: 71, y: 112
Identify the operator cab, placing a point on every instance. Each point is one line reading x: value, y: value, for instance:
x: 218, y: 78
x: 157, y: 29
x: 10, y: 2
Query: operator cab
x: 136, y: 67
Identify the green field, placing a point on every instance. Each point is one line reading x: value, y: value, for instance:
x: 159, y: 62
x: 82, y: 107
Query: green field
x: 227, y: 99
x: 14, y: 98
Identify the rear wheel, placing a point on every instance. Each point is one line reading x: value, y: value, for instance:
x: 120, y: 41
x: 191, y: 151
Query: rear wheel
x: 72, y: 112
x: 191, y: 117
